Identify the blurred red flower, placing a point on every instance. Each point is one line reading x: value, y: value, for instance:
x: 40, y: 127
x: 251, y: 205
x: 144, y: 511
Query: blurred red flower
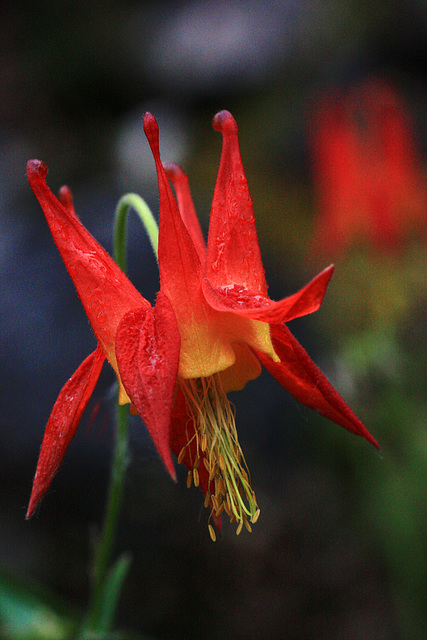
x: 367, y: 170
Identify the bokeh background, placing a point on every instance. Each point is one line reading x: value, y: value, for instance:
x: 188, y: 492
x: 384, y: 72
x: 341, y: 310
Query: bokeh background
x: 339, y: 551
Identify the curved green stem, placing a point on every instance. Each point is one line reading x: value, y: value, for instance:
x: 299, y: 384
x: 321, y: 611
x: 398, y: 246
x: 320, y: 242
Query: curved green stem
x: 128, y: 201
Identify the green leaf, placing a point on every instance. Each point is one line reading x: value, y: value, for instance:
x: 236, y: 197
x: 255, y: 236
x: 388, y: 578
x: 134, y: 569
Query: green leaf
x: 29, y: 613
x: 112, y: 591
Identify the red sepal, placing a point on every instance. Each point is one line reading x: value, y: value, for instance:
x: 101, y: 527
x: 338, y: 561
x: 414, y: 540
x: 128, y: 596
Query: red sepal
x: 179, y: 264
x: 147, y: 351
x: 298, y: 374
x: 106, y: 293
x: 252, y: 305
x: 63, y: 423
x: 233, y: 247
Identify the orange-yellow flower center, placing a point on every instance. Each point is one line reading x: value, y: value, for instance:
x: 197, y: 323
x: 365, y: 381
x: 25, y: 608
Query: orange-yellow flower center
x: 214, y: 444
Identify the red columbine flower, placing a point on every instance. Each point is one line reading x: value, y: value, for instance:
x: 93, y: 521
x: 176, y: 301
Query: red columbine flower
x: 367, y: 170
x: 212, y: 328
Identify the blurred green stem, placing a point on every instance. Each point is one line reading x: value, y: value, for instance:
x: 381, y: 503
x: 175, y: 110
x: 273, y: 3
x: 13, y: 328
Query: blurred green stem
x: 107, y: 579
x: 104, y: 547
x: 128, y: 201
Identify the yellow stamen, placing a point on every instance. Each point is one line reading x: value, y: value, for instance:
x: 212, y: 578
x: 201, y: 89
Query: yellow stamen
x: 220, y: 509
x: 204, y: 443
x: 255, y: 516
x: 196, y: 477
x: 216, y: 443
x: 189, y: 478
x: 212, y: 532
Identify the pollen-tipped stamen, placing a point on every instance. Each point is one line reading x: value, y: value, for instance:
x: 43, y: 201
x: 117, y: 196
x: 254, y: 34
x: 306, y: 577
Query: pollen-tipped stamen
x: 215, y: 442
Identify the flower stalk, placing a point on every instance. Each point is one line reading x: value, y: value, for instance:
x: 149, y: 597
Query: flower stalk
x: 126, y: 202
x: 104, y: 545
x: 102, y: 604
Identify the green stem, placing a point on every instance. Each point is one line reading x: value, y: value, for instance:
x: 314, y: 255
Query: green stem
x: 103, y: 551
x: 99, y: 616
x: 128, y: 201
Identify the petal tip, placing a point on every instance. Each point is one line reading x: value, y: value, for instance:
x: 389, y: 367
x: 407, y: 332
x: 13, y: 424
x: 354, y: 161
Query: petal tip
x: 151, y: 128
x: 173, y: 171
x: 32, y: 505
x: 65, y: 196
x: 374, y: 442
x: 172, y: 473
x: 328, y: 272
x: 36, y: 169
x: 223, y: 121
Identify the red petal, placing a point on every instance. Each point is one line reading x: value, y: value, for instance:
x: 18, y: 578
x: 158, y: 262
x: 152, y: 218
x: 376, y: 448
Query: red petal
x: 179, y: 264
x: 63, y: 423
x: 186, y: 207
x: 252, y: 305
x: 105, y: 291
x: 298, y: 374
x: 180, y: 280
x: 65, y: 197
x: 147, y: 350
x: 233, y: 249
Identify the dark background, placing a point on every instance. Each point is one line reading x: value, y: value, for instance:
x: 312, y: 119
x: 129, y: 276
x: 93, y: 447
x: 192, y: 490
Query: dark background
x: 340, y: 548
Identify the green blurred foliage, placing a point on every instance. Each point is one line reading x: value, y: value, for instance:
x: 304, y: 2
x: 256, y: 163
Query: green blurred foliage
x: 29, y: 613
x: 378, y: 318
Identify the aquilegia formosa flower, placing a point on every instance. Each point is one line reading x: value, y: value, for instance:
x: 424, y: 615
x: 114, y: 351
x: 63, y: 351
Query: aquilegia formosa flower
x: 367, y: 169
x: 211, y: 329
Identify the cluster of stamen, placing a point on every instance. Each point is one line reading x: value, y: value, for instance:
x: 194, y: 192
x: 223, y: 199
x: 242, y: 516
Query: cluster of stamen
x: 212, y: 441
